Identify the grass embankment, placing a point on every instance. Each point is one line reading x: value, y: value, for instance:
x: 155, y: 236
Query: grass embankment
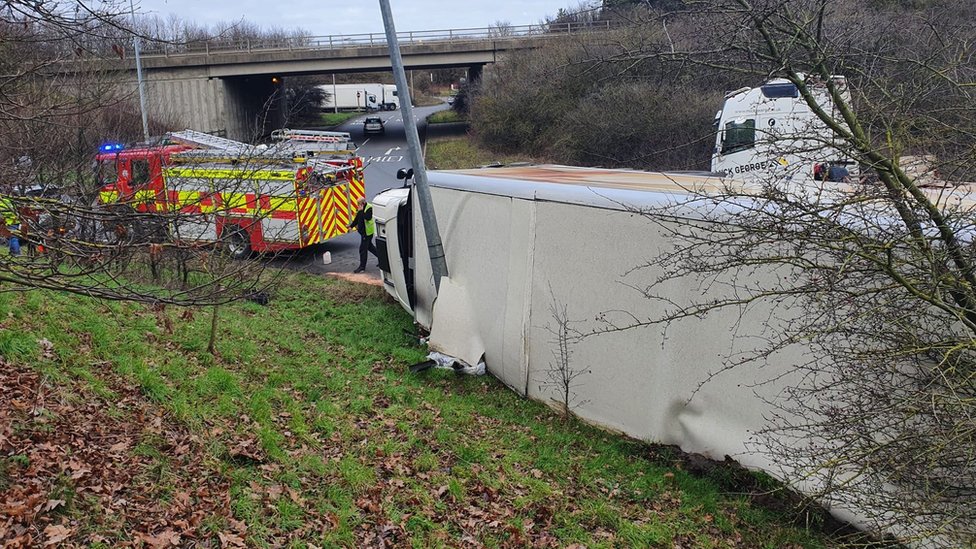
x: 453, y: 153
x: 336, y: 118
x: 445, y: 117
x: 307, y: 429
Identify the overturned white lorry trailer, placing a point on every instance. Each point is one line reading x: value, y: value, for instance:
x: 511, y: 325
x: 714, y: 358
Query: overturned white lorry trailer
x: 520, y: 240
x: 524, y: 244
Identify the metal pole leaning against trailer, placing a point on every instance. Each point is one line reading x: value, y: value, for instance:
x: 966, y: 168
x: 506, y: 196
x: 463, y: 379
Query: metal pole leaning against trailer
x: 434, y: 245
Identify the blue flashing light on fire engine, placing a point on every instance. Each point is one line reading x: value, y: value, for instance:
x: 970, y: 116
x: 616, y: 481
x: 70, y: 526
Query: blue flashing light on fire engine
x: 109, y: 147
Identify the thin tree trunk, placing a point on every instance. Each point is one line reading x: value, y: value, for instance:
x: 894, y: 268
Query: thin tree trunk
x: 212, y: 345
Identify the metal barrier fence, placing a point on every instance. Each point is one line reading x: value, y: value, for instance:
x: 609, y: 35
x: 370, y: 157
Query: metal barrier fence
x: 216, y: 46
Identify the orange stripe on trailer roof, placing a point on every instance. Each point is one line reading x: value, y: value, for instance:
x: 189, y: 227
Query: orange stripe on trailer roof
x: 601, y: 177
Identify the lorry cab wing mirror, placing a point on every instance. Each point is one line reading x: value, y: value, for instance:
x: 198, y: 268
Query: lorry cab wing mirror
x: 405, y: 173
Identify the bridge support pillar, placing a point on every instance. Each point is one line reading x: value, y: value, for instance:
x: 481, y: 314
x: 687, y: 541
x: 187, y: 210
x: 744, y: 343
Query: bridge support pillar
x: 197, y: 103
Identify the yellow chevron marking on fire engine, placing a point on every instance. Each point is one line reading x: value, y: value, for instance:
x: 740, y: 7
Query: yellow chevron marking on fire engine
x: 339, y: 217
x: 328, y: 220
x: 108, y: 197
x: 313, y: 233
x: 337, y: 221
x: 306, y: 218
x: 316, y: 228
x: 345, y: 206
x: 340, y: 210
x: 305, y: 211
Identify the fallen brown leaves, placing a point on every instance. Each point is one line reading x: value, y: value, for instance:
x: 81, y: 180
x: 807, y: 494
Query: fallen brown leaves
x: 81, y: 470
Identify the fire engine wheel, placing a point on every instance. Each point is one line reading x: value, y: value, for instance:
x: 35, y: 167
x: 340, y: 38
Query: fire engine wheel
x: 238, y: 244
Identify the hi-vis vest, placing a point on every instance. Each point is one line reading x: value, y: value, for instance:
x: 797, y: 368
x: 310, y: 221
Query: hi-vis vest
x: 370, y: 224
x: 8, y: 212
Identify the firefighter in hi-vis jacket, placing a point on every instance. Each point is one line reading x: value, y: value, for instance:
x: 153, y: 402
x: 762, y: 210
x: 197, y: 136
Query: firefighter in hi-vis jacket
x: 363, y: 222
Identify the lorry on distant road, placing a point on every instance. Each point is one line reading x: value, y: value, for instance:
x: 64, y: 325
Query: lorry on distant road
x: 367, y: 96
x: 769, y: 131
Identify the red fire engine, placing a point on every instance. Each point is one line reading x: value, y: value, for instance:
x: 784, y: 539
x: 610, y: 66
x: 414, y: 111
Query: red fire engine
x: 298, y: 192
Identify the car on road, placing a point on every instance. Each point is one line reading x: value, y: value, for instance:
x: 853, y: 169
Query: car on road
x: 450, y: 100
x: 373, y: 124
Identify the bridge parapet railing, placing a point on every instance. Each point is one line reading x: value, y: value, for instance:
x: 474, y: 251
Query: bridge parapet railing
x: 217, y: 46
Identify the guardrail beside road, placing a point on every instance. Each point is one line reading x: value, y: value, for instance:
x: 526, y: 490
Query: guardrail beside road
x: 216, y: 46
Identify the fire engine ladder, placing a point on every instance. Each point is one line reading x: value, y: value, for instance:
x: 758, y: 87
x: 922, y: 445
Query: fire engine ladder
x: 243, y: 155
x: 307, y: 149
x: 310, y: 135
x: 200, y: 139
x: 312, y: 142
x: 325, y: 168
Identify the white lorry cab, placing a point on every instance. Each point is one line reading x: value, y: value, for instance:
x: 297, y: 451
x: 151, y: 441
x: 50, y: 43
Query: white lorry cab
x: 389, y: 100
x: 771, y: 132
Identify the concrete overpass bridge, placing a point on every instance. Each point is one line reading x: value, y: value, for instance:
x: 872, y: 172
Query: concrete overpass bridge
x: 235, y: 88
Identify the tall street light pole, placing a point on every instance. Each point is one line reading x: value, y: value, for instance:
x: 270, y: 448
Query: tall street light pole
x: 434, y: 246
x: 142, y: 84
x: 335, y: 97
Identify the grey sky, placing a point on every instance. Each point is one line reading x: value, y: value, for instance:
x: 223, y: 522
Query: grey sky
x: 330, y: 17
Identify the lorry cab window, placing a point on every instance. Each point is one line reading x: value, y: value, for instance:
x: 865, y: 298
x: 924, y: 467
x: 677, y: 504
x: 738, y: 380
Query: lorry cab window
x: 780, y: 90
x: 739, y: 135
